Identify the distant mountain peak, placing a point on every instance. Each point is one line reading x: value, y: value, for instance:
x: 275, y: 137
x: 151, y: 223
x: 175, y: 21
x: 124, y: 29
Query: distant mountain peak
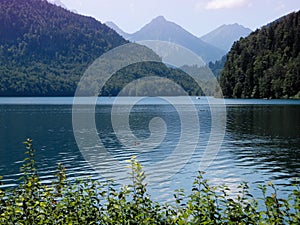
x: 112, y: 25
x: 161, y: 29
x: 225, y: 35
x: 116, y: 28
x: 159, y: 23
x: 159, y: 19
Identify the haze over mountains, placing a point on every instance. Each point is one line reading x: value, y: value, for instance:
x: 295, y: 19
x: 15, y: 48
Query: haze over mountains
x: 224, y: 36
x: 161, y: 29
x: 115, y: 27
x: 210, y: 47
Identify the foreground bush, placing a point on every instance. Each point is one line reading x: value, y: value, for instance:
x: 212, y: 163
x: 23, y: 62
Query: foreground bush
x: 91, y: 202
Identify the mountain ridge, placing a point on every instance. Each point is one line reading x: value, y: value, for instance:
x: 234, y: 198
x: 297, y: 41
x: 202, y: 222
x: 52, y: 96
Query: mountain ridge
x: 161, y: 29
x: 225, y: 35
x: 115, y: 27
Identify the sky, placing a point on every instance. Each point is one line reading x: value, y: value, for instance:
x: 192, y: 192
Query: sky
x: 197, y: 16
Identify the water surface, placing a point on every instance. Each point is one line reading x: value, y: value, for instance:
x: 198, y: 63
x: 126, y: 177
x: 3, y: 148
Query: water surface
x: 262, y: 140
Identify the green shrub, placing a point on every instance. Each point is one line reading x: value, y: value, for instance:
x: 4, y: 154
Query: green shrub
x: 90, y: 202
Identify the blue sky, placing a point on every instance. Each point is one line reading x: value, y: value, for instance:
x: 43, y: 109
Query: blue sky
x: 197, y: 16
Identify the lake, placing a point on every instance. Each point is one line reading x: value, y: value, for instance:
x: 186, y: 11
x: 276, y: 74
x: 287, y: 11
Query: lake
x: 261, y: 142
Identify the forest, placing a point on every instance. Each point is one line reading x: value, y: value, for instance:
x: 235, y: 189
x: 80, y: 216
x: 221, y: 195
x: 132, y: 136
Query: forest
x: 44, y: 49
x: 266, y: 64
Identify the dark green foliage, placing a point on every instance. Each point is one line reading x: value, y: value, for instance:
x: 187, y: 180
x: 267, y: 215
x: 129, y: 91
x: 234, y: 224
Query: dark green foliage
x: 266, y: 64
x: 90, y: 202
x: 217, y: 66
x: 44, y: 49
x: 151, y: 86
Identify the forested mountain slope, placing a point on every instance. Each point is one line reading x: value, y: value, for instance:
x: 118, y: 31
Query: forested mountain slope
x: 266, y: 64
x: 44, y: 48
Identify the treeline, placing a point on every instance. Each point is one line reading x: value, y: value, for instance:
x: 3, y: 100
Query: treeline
x: 151, y: 79
x: 217, y: 66
x: 266, y: 64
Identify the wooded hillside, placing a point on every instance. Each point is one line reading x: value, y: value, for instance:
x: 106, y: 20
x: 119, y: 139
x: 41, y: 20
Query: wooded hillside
x: 266, y: 64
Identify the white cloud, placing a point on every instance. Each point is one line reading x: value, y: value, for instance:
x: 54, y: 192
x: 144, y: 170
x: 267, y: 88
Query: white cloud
x: 226, y: 4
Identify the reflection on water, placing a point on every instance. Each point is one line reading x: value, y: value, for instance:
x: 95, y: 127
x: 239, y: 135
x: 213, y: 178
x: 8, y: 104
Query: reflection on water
x: 262, y: 142
x: 269, y: 137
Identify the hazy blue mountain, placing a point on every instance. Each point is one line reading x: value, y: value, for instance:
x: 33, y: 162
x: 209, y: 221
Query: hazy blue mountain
x: 224, y: 36
x: 161, y: 29
x: 115, y: 27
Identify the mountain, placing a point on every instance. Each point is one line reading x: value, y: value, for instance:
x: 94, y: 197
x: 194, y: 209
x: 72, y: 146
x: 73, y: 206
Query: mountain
x: 224, y: 36
x: 44, y: 48
x: 161, y: 29
x: 266, y: 64
x: 113, y: 26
